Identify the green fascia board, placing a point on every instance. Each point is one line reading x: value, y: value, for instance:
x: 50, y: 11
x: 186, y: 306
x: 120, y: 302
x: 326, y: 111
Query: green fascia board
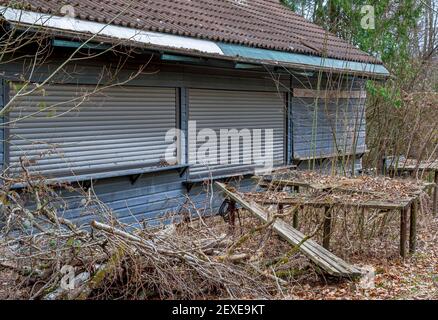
x: 77, y: 44
x: 179, y: 58
x: 247, y: 66
x: 300, y: 59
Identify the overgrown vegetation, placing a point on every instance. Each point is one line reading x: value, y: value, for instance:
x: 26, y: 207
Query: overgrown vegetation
x: 401, y: 112
x: 45, y: 256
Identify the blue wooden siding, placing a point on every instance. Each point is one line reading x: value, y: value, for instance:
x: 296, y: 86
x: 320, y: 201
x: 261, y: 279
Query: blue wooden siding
x: 328, y: 127
x: 168, y: 76
x: 331, y: 166
x: 153, y: 198
x: 323, y: 127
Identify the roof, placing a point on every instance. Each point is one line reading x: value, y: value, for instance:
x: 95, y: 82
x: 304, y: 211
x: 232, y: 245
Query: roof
x: 266, y: 24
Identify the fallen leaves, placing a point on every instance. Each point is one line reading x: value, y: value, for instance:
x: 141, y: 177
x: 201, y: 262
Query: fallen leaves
x: 416, y: 278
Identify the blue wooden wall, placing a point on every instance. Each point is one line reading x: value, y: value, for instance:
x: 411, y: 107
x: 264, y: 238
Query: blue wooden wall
x: 328, y: 127
x: 154, y: 198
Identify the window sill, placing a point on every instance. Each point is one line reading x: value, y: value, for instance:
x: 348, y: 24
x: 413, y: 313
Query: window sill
x: 359, y: 154
x: 191, y: 182
x: 134, y: 174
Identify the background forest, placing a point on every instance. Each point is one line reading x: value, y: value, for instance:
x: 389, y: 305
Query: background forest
x: 402, y: 113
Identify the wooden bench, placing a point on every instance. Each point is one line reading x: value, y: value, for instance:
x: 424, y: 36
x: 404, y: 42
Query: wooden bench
x: 323, y: 258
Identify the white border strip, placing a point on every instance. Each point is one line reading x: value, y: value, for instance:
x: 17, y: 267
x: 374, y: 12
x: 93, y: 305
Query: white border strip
x: 118, y: 32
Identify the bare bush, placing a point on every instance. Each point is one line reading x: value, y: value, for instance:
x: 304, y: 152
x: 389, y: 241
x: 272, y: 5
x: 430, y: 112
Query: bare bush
x: 112, y: 260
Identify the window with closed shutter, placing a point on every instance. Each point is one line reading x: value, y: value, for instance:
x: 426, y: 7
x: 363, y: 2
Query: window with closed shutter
x: 65, y: 130
x: 222, y: 109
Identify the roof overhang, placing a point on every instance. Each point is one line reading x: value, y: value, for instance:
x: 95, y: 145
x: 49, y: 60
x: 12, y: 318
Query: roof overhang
x: 279, y: 57
x: 188, y: 45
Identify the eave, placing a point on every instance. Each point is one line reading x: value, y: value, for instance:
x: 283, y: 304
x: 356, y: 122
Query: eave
x: 74, y: 28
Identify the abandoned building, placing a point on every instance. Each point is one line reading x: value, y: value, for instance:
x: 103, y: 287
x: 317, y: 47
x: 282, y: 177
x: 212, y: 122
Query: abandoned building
x: 134, y: 99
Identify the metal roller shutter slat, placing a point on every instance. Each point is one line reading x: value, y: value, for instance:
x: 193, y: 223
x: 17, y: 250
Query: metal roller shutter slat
x: 220, y: 109
x: 115, y: 128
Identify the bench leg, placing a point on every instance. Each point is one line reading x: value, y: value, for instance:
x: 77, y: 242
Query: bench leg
x: 403, y: 231
x: 232, y: 216
x: 327, y: 228
x: 413, y: 228
x: 361, y: 225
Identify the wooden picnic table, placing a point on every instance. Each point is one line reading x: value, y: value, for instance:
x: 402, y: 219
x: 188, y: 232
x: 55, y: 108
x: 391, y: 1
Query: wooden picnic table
x: 411, y: 166
x: 405, y: 206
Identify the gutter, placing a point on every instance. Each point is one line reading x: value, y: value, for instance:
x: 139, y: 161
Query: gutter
x: 188, y: 45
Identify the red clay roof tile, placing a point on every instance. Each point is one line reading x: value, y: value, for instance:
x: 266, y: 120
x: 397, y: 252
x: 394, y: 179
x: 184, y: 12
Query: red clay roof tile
x: 257, y: 23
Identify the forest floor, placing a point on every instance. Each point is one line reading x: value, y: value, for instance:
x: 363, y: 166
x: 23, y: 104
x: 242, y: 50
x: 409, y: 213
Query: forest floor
x: 395, y: 279
x: 414, y: 278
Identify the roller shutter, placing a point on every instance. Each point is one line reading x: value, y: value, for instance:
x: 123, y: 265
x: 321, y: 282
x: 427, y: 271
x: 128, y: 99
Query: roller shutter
x: 220, y: 109
x: 329, y: 127
x: 64, y: 130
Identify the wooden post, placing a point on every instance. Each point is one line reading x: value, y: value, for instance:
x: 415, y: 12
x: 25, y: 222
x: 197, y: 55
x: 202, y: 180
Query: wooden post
x: 295, y: 216
x: 403, y: 231
x: 327, y: 228
x: 435, y: 195
x: 361, y: 225
x: 383, y: 164
x: 413, y: 227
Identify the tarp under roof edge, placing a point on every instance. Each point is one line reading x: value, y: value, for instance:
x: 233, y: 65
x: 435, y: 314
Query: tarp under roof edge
x: 301, y: 59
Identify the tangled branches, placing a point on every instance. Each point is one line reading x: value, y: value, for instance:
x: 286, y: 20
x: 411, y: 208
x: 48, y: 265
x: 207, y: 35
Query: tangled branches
x: 106, y: 259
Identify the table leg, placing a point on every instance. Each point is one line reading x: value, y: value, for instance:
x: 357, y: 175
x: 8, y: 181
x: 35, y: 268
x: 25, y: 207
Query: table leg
x: 327, y: 228
x: 295, y: 215
x: 403, y: 231
x: 413, y: 227
x: 362, y: 224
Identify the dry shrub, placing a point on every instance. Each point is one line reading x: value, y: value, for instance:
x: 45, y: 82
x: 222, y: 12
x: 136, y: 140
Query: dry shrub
x: 111, y: 260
